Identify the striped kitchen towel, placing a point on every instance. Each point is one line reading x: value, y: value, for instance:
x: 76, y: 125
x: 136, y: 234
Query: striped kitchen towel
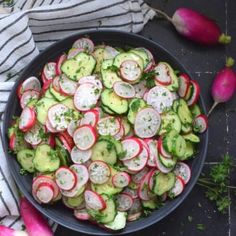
x: 28, y: 27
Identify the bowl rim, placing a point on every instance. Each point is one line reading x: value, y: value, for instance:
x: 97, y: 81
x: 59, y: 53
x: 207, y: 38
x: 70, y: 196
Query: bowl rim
x: 55, y: 217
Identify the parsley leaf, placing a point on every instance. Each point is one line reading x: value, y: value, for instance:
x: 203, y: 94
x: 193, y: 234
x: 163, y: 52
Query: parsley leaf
x: 201, y: 227
x: 217, y: 183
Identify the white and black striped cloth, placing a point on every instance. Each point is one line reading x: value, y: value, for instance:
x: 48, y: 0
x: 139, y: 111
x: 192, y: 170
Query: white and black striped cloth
x: 28, y: 27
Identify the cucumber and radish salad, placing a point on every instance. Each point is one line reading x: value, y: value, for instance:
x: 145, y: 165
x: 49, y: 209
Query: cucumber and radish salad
x: 108, y: 132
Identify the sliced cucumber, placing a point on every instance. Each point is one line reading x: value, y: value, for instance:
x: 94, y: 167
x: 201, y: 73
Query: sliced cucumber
x: 42, y: 107
x: 81, y: 65
x: 163, y: 183
x: 168, y: 162
x: 48, y: 94
x: 58, y: 96
x: 46, y: 159
x: 25, y: 158
x: 151, y: 204
x: 142, y: 53
x: 119, y: 222
x: 113, y: 102
x: 73, y: 202
x: 195, y: 110
x: 108, y: 214
x: 135, y: 105
x: 99, y: 56
x: 109, y: 77
x: 189, y: 151
x: 184, y: 113
x: 191, y: 137
x: 104, y: 151
x: 169, y: 121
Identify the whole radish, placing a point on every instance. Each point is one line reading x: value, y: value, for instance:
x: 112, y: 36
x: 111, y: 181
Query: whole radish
x: 224, y: 85
x: 5, y: 231
x: 196, y: 27
x: 35, y: 224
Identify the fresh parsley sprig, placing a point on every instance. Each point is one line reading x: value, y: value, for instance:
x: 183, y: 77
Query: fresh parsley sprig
x: 217, y: 183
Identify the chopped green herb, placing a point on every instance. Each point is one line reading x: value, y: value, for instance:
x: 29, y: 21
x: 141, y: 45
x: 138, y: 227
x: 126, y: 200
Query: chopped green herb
x: 201, y: 227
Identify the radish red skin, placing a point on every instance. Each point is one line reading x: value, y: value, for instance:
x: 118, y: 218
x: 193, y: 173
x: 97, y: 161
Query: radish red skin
x: 197, y: 27
x: 35, y: 223
x: 223, y: 87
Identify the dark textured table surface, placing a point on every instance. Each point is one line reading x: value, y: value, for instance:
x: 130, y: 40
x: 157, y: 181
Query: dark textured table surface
x: 203, y: 63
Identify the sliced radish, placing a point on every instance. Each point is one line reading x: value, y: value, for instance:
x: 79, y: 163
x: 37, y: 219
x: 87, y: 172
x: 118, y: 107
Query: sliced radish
x: 152, y: 144
x: 124, y: 202
x: 178, y: 188
x: 143, y: 190
x: 99, y: 110
x: 131, y: 192
x: 68, y: 146
x: 45, y: 179
x: 147, y: 123
x: 59, y: 116
x: 90, y: 117
x: 49, y: 71
x: 28, y: 96
x: 108, y: 126
x: 130, y: 70
x: 134, y: 216
x: 94, y: 200
x: 121, y: 133
x: 67, y: 86
x: 84, y: 43
x: 86, y: 96
x: 91, y: 79
x: 99, y: 172
x: 132, y: 148
x: 184, y: 83
x: 183, y: 171
x: 121, y: 180
x: 45, y: 193
x: 136, y: 178
x: 27, y: 119
x: 160, y: 98
x: 12, y: 142
x: 43, y: 78
x: 73, y: 52
x: 49, y: 127
x: 136, y: 207
x: 145, y: 96
x: 59, y: 63
x: 137, y: 163
x: 72, y: 126
x: 151, y: 180
x: 109, y: 52
x: 195, y: 94
x: 162, y: 150
x: 76, y: 191
x: 175, y: 96
x: 31, y: 83
x: 163, y: 75
x: 140, y: 89
x: 55, y: 83
x: 85, y: 137
x: 46, y: 86
x: 200, y: 123
x: 51, y: 140
x: 80, y: 157
x: 82, y: 173
x: 150, y: 57
x: 65, y: 178
x: 34, y: 135
x: 81, y: 214
x: 161, y: 167
x: 123, y: 89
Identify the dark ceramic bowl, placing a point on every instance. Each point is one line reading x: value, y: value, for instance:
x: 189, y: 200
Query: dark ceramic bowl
x: 58, y: 212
